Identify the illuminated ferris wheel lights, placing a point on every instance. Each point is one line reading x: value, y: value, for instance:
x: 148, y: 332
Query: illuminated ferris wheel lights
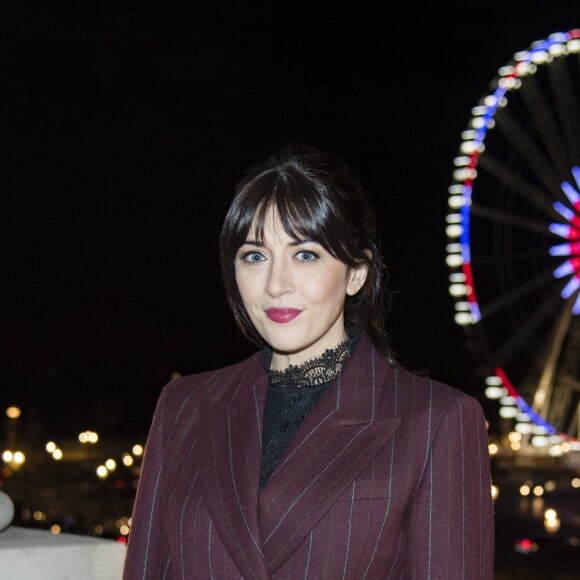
x: 523, y: 428
x: 456, y: 277
x: 564, y: 269
x: 469, y: 147
x: 541, y: 57
x: 454, y: 260
x: 493, y: 380
x: 458, y: 201
x: 522, y: 417
x: 573, y: 45
x: 455, y: 189
x: 462, y: 307
x: 507, y: 400
x: 576, y: 174
x: 454, y: 230
x: 453, y: 248
x: 558, y: 49
x: 508, y: 412
x: 561, y: 230
x: 464, y: 173
x: 564, y: 211
x: 576, y: 307
x: 490, y: 101
x: 477, y: 123
x: 458, y: 290
x: 506, y: 83
x: 560, y: 250
x: 522, y: 55
x: 461, y: 160
x: 494, y: 392
x: 525, y: 69
x: 570, y: 287
x: 453, y: 218
x: 558, y: 37
x: 540, y: 441
x: 463, y: 318
x: 505, y: 71
x: 469, y: 134
x: 478, y: 110
x: 570, y: 192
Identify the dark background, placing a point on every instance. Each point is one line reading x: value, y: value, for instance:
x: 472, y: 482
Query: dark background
x: 123, y: 129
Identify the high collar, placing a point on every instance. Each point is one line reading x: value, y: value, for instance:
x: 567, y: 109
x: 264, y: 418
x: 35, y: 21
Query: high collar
x: 314, y: 371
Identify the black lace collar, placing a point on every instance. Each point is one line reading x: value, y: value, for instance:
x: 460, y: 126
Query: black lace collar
x: 312, y: 372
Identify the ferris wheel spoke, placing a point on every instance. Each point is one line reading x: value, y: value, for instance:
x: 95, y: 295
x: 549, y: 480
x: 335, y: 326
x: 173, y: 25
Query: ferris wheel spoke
x: 545, y: 386
x: 567, y: 108
x: 547, y: 125
x: 524, y: 333
x: 530, y: 153
x: 510, y: 298
x: 511, y: 219
x: 503, y: 174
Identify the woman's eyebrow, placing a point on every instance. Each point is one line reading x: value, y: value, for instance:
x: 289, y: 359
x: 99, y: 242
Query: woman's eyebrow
x: 297, y: 242
x: 294, y: 242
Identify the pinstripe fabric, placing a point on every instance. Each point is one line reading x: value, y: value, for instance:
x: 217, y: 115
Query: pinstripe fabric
x: 388, y: 477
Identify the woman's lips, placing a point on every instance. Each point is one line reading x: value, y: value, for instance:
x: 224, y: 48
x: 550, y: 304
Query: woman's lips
x: 282, y: 314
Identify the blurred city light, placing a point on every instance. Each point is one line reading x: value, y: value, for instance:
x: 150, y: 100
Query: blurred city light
x: 13, y: 412
x: 551, y: 520
x: 102, y: 472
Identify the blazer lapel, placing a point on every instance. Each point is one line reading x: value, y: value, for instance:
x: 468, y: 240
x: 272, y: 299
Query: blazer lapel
x: 231, y: 430
x: 337, y: 440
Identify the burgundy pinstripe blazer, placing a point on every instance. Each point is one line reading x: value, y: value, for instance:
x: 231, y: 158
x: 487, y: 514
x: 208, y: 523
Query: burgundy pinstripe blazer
x: 388, y: 477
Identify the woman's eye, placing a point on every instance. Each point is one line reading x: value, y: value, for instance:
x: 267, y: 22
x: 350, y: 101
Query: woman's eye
x: 307, y: 256
x: 252, y: 257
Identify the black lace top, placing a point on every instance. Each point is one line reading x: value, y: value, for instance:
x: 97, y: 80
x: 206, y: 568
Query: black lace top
x: 291, y: 395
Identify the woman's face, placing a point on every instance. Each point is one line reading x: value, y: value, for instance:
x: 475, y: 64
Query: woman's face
x: 294, y: 292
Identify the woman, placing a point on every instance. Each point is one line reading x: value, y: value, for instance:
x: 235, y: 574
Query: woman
x: 317, y: 457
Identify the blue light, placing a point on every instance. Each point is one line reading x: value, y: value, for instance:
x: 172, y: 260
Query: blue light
x: 564, y: 211
x: 570, y: 192
x: 560, y: 250
x: 564, y: 270
x: 576, y: 307
x: 560, y: 230
x: 570, y: 287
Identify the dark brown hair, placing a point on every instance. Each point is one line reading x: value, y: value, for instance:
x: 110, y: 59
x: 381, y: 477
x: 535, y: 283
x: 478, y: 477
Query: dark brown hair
x: 318, y: 197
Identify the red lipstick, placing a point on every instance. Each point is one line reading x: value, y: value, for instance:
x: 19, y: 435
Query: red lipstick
x: 282, y: 315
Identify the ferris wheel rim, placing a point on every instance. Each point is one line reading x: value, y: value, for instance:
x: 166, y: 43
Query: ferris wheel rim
x: 460, y: 200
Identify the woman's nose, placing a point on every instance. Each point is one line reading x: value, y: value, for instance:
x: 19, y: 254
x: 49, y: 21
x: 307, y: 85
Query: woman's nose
x: 280, y: 278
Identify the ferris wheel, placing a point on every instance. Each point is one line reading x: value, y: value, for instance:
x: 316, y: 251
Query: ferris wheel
x: 513, y: 229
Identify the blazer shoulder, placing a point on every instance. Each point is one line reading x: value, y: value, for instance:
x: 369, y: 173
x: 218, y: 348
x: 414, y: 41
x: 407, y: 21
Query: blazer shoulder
x: 427, y: 392
x: 197, y: 384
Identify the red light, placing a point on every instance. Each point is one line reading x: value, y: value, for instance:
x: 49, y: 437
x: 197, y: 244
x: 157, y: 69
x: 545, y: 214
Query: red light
x: 122, y: 540
x: 526, y: 544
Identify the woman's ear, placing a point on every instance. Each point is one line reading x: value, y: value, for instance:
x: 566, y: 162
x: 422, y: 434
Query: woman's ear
x: 357, y: 276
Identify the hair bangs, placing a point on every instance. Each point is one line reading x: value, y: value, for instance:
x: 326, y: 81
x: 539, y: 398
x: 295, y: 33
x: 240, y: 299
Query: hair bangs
x: 302, y: 212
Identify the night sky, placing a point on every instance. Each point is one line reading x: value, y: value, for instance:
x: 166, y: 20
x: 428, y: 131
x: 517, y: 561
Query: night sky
x: 124, y: 129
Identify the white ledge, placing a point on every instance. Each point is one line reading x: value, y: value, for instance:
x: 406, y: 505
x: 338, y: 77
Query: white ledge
x: 41, y: 555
